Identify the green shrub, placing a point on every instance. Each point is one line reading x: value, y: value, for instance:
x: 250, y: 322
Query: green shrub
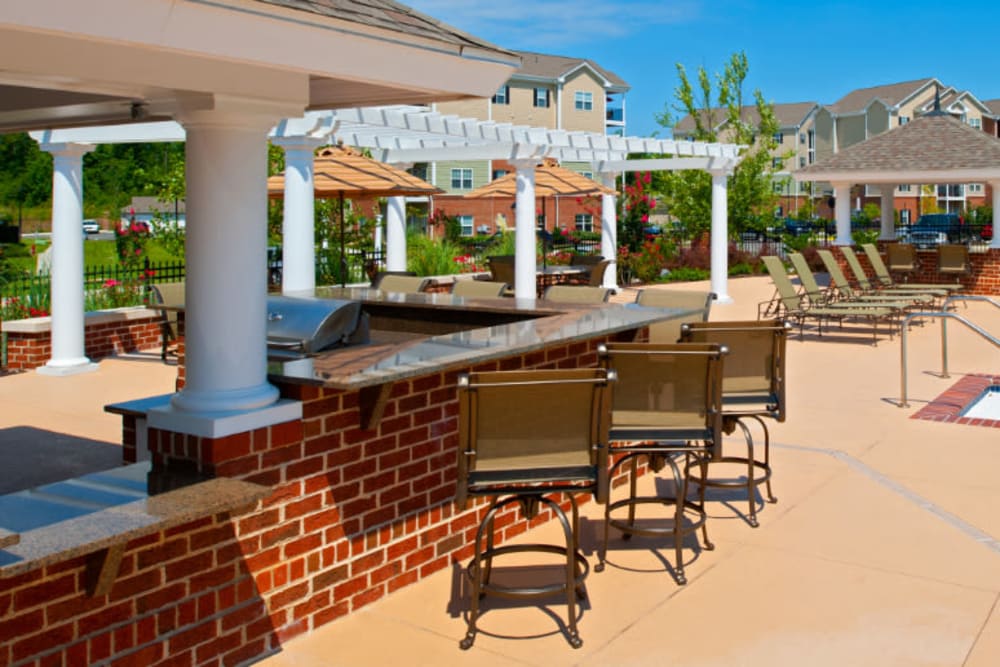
x: 427, y: 257
x: 685, y: 274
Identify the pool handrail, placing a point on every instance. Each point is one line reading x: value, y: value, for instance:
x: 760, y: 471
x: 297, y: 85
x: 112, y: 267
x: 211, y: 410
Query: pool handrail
x: 944, y: 316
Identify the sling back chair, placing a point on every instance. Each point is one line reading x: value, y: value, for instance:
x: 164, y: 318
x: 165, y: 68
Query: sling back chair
x: 753, y: 387
x: 170, y: 294
x: 882, y: 272
x: 843, y: 291
x: 478, y: 288
x: 667, y: 405
x: 902, y: 258
x: 530, y: 438
x: 789, y: 304
x: 403, y: 284
x: 502, y: 271
x: 670, y: 330
x: 576, y: 294
x: 866, y: 285
x: 953, y: 260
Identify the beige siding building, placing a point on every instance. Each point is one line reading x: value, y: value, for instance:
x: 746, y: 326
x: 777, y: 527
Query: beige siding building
x: 556, y: 92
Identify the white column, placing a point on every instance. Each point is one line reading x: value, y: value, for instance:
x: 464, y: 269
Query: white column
x: 298, y: 243
x: 67, y: 333
x: 888, y: 231
x: 995, y: 243
x: 226, y: 251
x: 525, y: 261
x: 720, y: 237
x: 842, y: 212
x: 609, y: 231
x: 395, y: 234
x: 378, y: 240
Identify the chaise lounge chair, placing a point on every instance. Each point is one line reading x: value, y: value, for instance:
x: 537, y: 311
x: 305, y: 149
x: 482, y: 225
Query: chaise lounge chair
x: 861, y: 278
x: 843, y: 290
x: 886, y: 279
x: 788, y: 303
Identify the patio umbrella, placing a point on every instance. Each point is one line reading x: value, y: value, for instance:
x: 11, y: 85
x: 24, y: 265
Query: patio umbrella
x: 339, y: 171
x: 551, y: 180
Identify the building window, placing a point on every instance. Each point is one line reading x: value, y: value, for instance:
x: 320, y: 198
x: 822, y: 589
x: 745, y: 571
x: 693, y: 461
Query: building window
x: 802, y: 138
x: 779, y: 137
x: 542, y: 97
x: 777, y: 163
x: 976, y: 188
x: 976, y: 123
x: 904, y: 216
x: 903, y: 120
x: 812, y: 146
x: 466, y: 222
x: 904, y: 188
x: 502, y: 95
x: 802, y: 162
x: 499, y: 173
x: 587, y: 174
x: 583, y: 101
x: 461, y: 179
x: 779, y: 188
x: 584, y: 222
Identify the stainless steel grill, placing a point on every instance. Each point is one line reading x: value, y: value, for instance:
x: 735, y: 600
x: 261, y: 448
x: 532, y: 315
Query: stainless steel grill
x: 300, y: 326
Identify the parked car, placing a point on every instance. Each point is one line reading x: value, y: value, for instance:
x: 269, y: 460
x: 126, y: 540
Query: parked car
x: 933, y: 229
x: 91, y: 226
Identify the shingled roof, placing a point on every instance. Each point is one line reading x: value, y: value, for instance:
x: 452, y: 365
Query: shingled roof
x: 929, y: 146
x: 993, y: 106
x: 388, y: 15
x: 891, y: 95
x: 790, y: 114
x: 547, y: 66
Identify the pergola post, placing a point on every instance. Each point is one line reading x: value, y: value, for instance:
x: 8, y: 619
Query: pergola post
x: 888, y: 227
x: 66, y: 298
x: 298, y: 247
x: 525, y: 261
x: 226, y: 251
x: 842, y: 212
x: 720, y: 236
x: 609, y: 231
x: 395, y: 234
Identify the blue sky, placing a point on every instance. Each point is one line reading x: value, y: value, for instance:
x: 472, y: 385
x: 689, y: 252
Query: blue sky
x: 797, y: 51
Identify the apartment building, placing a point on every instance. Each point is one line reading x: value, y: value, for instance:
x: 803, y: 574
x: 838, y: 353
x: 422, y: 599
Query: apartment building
x: 860, y: 114
x: 550, y: 91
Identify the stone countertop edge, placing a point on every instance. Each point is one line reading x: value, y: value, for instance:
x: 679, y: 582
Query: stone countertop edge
x: 86, y: 534
x: 638, y: 317
x: 8, y: 538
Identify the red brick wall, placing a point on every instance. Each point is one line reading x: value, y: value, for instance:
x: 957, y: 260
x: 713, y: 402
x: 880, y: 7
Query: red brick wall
x: 984, y: 278
x: 353, y: 516
x: 31, y: 350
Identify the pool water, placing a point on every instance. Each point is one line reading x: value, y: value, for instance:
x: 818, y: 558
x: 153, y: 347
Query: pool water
x: 985, y: 406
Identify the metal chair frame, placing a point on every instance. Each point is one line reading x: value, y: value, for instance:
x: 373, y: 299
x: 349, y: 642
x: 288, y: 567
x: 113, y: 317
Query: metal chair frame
x: 742, y: 404
x: 661, y: 443
x: 574, y: 406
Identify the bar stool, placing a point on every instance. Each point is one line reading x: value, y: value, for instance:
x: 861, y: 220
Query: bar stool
x: 753, y: 387
x: 667, y: 403
x: 525, y: 437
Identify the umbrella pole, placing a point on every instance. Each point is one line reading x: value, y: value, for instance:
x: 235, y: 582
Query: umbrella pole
x: 343, y: 257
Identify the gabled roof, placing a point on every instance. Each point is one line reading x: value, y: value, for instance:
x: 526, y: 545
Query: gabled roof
x: 935, y: 148
x: 388, y: 15
x: 993, y: 106
x: 545, y: 66
x: 792, y: 114
x: 889, y: 94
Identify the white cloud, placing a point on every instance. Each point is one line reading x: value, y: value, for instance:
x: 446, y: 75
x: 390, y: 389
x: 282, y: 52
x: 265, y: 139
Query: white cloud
x: 541, y: 24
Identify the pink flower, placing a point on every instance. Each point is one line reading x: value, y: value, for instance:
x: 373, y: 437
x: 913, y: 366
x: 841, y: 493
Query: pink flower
x: 111, y: 283
x: 645, y: 218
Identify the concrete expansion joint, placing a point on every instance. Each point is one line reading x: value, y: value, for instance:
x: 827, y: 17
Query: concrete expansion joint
x: 900, y: 490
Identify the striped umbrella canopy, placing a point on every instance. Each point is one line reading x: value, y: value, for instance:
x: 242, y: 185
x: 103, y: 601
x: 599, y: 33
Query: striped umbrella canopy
x: 340, y: 171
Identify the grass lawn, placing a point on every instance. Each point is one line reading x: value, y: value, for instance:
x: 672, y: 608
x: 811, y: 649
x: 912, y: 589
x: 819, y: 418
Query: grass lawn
x: 95, y: 253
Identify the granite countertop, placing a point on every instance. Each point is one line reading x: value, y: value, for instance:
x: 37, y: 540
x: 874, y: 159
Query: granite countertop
x: 82, y: 515
x: 396, y: 355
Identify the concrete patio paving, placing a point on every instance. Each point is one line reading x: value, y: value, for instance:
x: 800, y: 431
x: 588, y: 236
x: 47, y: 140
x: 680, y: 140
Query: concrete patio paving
x: 881, y: 550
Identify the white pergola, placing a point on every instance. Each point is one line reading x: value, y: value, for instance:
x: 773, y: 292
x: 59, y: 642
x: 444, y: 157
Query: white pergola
x: 406, y: 134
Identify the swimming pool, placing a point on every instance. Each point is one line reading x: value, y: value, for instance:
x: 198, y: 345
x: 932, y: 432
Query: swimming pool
x: 985, y: 406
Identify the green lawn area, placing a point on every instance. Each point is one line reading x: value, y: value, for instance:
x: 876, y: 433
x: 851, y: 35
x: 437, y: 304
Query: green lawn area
x: 95, y: 253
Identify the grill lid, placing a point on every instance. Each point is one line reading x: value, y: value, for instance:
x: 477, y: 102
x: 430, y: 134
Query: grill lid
x: 310, y: 325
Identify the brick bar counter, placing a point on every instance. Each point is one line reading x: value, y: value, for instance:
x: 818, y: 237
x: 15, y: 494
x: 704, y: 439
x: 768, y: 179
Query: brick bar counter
x: 356, y: 499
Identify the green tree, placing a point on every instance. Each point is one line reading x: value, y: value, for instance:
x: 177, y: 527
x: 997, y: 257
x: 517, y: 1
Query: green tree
x: 722, y: 115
